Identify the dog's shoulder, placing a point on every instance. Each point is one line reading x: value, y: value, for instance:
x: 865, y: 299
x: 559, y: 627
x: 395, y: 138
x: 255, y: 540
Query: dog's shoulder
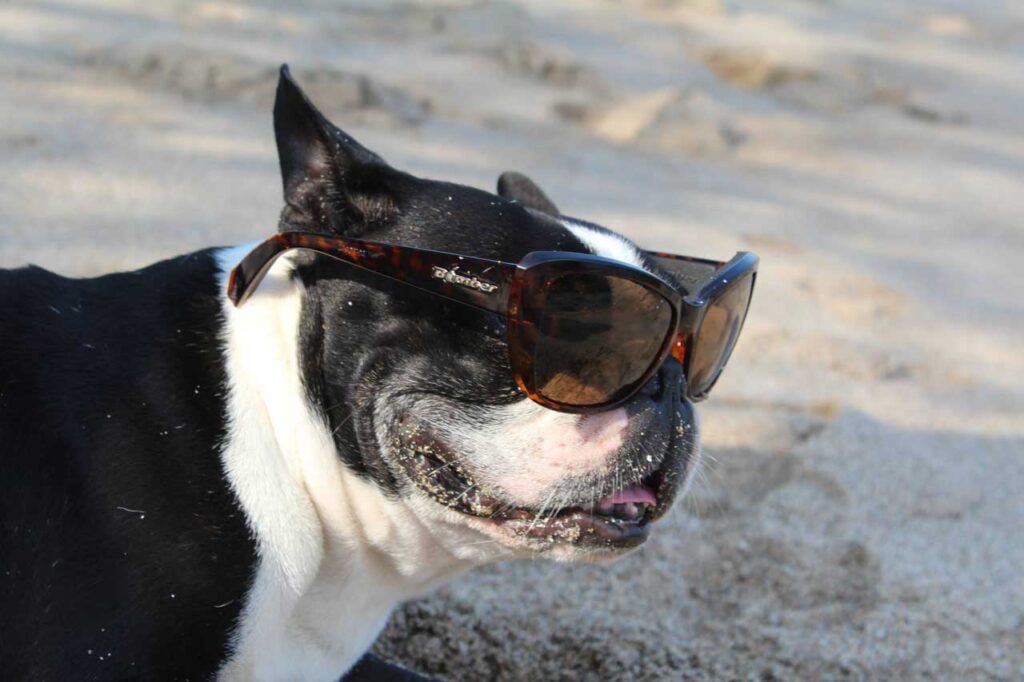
x: 118, y: 525
x: 23, y: 292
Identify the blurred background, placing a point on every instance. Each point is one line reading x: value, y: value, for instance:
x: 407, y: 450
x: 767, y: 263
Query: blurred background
x: 860, y: 510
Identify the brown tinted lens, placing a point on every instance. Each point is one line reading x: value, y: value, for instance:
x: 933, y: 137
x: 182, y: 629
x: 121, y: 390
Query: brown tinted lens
x: 717, y: 335
x: 598, y: 336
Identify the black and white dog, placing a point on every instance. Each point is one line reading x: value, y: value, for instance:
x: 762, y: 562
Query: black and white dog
x: 194, y: 490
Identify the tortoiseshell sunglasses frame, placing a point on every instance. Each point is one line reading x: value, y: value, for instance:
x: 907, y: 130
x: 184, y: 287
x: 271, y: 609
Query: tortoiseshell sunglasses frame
x: 517, y: 291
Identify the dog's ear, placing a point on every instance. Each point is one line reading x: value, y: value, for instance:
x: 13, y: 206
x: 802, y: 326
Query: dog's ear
x: 331, y: 182
x: 513, y: 185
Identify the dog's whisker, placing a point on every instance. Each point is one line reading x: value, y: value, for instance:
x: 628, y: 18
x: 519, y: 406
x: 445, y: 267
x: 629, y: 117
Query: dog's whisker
x: 555, y: 509
x: 439, y: 468
x: 481, y: 542
x: 342, y: 423
x: 465, y: 492
x: 537, y: 515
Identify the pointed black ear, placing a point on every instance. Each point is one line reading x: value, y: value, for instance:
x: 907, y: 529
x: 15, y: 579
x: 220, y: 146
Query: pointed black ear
x: 331, y: 182
x: 513, y: 185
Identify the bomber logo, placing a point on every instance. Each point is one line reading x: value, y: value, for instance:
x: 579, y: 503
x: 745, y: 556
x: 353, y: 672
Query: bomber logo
x: 468, y: 281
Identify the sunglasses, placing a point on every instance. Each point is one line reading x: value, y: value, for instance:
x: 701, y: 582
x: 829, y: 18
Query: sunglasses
x: 584, y: 333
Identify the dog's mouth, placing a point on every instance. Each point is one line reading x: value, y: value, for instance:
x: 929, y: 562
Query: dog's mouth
x: 619, y: 519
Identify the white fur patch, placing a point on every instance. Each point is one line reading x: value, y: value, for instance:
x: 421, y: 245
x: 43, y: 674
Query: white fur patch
x: 526, y: 450
x: 609, y: 245
x: 335, y: 555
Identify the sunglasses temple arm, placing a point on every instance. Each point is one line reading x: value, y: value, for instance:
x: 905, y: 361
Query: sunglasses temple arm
x: 251, y: 270
x: 477, y: 282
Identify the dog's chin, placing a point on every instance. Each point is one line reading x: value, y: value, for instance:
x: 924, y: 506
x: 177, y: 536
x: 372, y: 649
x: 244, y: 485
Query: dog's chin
x: 598, y: 530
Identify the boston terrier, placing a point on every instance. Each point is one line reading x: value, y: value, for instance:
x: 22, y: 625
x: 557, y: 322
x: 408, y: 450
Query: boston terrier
x: 196, y: 487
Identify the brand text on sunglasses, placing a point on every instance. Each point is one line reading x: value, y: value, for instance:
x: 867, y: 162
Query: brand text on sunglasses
x: 471, y: 281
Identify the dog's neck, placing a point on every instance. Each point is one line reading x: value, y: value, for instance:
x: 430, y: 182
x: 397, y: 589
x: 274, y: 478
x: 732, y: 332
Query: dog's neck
x: 336, y: 555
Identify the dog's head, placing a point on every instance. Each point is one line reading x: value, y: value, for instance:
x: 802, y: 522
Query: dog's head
x: 419, y: 392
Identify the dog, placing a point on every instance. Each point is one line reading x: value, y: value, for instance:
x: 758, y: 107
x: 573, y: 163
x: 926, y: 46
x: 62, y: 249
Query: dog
x: 193, y: 489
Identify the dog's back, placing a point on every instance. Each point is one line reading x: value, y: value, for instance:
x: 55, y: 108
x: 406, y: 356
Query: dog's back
x: 112, y: 497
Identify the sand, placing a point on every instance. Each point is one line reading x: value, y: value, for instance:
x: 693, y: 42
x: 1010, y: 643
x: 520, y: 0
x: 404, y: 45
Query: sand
x: 860, y: 513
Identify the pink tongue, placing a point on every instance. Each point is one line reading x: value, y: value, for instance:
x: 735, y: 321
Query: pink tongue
x: 636, y: 494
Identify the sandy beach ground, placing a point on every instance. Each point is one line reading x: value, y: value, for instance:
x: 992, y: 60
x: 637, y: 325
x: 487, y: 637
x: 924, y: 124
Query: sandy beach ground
x: 860, y: 514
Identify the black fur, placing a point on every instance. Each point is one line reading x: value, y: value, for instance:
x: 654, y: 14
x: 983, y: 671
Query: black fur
x: 122, y: 547
x: 513, y: 185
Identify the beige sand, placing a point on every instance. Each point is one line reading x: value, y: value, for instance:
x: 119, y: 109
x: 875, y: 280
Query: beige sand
x: 860, y: 515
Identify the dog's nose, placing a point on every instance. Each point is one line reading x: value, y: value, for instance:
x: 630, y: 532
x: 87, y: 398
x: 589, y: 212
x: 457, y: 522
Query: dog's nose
x: 667, y: 383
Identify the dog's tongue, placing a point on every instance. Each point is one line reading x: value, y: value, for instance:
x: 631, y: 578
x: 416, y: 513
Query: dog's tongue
x: 636, y: 494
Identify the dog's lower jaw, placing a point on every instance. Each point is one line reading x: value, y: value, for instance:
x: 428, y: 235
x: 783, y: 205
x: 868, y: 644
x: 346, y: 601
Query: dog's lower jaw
x: 336, y: 555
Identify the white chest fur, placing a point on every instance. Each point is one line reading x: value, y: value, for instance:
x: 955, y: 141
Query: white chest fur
x: 335, y: 555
